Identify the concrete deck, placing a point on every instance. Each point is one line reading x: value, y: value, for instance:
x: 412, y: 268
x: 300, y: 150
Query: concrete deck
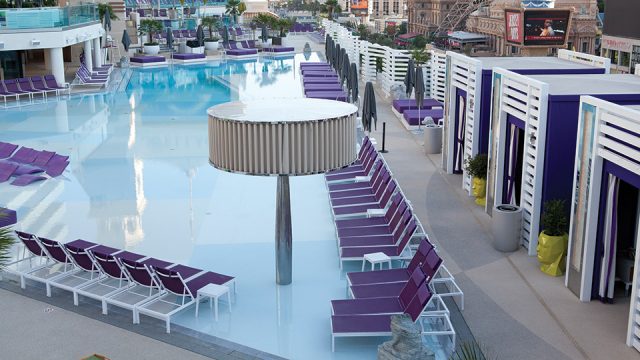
x: 513, y: 310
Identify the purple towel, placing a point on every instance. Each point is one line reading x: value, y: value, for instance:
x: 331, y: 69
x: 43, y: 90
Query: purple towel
x: 57, y: 169
x: 43, y: 158
x: 6, y: 170
x: 24, y: 180
x: 27, y: 170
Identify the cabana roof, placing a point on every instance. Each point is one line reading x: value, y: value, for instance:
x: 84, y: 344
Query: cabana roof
x: 530, y: 62
x: 592, y: 84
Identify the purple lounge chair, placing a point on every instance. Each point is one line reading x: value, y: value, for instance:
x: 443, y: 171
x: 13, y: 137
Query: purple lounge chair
x: 27, y: 179
x: 51, y: 83
x: 182, y: 282
x: 358, y: 166
x: 25, y: 85
x: 410, y: 104
x: 59, y: 264
x: 375, y: 325
x: 383, y: 229
x: 56, y: 169
x: 24, y: 155
x: 429, y: 267
x: 415, y: 117
x: 307, y: 64
x: 328, y: 95
x: 380, y: 174
x: 43, y: 157
x: 379, y: 169
x: 362, y: 209
x: 351, y: 172
x: 382, y: 305
x: 31, y: 262
x: 391, y: 275
x: 11, y: 86
x: 394, y: 252
x: 327, y: 80
x: 86, y: 272
x: 7, y: 169
x: 8, y: 217
x: 401, y: 223
x: 5, y: 94
x: 355, y: 197
x: 322, y: 87
x: 316, y: 70
x: 6, y: 149
x: 37, y: 83
x: 278, y: 49
x: 372, y: 221
x: 319, y: 73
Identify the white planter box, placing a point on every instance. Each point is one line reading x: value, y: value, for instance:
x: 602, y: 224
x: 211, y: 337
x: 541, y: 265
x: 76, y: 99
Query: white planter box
x: 151, y: 49
x: 210, y: 45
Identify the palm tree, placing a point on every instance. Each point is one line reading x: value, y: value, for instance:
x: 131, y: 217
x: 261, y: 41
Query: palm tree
x: 331, y: 4
x: 102, y: 9
x: 6, y: 243
x: 232, y: 8
x: 210, y: 22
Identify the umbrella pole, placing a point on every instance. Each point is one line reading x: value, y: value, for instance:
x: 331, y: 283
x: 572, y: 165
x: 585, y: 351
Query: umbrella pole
x: 384, y: 135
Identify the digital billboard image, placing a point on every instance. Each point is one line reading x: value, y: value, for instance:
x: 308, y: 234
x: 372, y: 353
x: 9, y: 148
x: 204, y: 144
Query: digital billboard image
x: 513, y: 25
x: 546, y: 27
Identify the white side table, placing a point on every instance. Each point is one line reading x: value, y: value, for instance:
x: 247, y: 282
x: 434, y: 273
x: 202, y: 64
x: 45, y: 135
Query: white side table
x: 376, y: 258
x: 213, y: 292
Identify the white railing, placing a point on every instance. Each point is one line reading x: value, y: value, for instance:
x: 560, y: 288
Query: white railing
x: 585, y: 59
x: 438, y: 75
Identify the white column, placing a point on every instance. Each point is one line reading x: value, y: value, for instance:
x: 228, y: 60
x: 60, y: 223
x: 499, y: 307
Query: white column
x: 88, y: 57
x: 57, y: 64
x: 97, y: 52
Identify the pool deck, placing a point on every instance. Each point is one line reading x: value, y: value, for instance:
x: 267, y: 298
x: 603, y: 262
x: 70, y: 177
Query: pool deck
x: 513, y: 310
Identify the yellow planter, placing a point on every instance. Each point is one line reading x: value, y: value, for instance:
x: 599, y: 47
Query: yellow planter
x: 479, y: 190
x: 552, y: 253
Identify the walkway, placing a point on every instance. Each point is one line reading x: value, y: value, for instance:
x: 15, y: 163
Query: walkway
x: 513, y: 310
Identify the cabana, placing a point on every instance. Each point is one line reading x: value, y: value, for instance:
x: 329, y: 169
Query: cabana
x: 148, y: 61
x: 533, y: 141
x: 604, y: 230
x: 469, y: 97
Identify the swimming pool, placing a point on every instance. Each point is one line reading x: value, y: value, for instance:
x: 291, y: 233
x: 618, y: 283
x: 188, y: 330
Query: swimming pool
x: 140, y: 179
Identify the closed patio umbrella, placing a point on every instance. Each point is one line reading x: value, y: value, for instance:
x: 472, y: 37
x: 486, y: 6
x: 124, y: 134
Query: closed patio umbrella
x: 336, y: 58
x: 409, y: 77
x: 170, y: 39
x: 265, y: 34
x: 200, y: 35
x: 225, y: 35
x: 369, y: 111
x: 419, y: 90
x: 126, y: 40
x: 353, y: 82
x: 344, y: 73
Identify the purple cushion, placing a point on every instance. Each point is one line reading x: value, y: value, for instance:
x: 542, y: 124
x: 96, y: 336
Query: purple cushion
x: 8, y: 217
x: 189, y: 56
x: 240, y: 52
x: 319, y: 73
x: 316, y: 87
x: 320, y: 80
x: 410, y: 104
x: 277, y: 49
x: 147, y: 59
x: 330, y: 95
x: 414, y: 117
x: 24, y: 180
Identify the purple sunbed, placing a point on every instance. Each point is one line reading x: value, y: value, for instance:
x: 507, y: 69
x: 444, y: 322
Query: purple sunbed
x: 43, y: 158
x: 376, y: 325
x: 7, y: 217
x: 391, y: 275
x: 6, y: 149
x: 56, y: 169
x: 319, y: 73
x: 379, y: 170
x: 362, y: 209
x: 393, y: 251
x: 376, y: 230
x: 7, y: 169
x: 169, y: 278
x: 328, y: 95
x: 241, y: 52
x: 404, y: 223
x: 279, y: 49
x: 147, y: 59
x: 51, y: 83
x: 410, y: 104
x: 24, y: 155
x: 368, y: 156
x: 39, y: 84
x: 380, y: 175
x: 312, y: 80
x: 305, y: 64
x: 372, y: 221
x: 191, y: 56
x: 24, y: 180
x: 25, y: 169
x: 316, y: 70
x: 430, y: 267
x: 414, y: 117
x: 372, y: 197
x: 12, y: 87
x: 322, y: 87
x: 382, y: 305
x: 25, y: 85
x: 354, y: 172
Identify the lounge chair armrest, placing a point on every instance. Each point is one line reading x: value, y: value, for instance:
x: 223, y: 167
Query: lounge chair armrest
x: 362, y: 178
x: 375, y: 212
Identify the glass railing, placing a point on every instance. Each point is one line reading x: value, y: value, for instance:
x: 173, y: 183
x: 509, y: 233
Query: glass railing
x: 47, y: 17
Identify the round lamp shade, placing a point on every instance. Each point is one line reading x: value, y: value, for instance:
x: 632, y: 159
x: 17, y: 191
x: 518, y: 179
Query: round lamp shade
x: 282, y: 137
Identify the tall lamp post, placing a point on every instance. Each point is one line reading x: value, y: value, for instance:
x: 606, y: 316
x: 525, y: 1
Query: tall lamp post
x: 270, y: 138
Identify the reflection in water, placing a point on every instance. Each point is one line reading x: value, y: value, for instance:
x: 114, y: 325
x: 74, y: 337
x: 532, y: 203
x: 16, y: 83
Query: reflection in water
x: 132, y: 225
x: 284, y: 311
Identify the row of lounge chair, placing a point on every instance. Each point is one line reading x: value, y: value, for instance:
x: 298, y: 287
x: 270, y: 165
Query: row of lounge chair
x: 15, y: 89
x: 115, y: 277
x: 27, y: 165
x: 320, y: 81
x: 411, y: 116
x: 372, y: 215
x: 96, y: 76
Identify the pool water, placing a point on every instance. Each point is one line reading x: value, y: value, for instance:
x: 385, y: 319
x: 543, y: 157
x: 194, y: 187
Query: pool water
x: 139, y: 179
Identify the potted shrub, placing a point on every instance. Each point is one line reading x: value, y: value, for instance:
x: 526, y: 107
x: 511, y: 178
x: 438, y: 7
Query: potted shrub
x: 553, y: 240
x: 150, y: 27
x: 476, y: 167
x: 283, y: 25
x: 210, y: 22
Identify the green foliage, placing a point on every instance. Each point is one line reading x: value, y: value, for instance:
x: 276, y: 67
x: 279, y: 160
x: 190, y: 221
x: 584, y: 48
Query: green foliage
x: 477, y: 166
x: 6, y: 242
x: 601, y: 5
x: 150, y: 27
x: 211, y: 22
x: 419, y: 42
x: 232, y: 8
x: 468, y: 351
x: 402, y: 29
x: 379, y: 64
x: 284, y: 24
x: 331, y: 6
x: 102, y: 9
x: 554, y: 218
x: 420, y: 56
x: 391, y: 30
x: 363, y: 31
x: 242, y: 7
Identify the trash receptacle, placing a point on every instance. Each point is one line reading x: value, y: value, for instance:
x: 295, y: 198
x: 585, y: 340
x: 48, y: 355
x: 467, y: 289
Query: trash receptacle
x: 432, y: 138
x: 182, y: 48
x: 505, y: 226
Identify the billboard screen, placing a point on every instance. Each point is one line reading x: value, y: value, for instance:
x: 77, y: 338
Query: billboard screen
x: 546, y: 27
x: 622, y: 18
x: 513, y: 26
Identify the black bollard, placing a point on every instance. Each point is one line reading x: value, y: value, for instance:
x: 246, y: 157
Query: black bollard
x: 384, y: 134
